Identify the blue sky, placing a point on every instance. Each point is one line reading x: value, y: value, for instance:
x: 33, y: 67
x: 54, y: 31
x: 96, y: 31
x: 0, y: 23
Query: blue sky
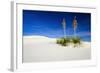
x: 49, y: 24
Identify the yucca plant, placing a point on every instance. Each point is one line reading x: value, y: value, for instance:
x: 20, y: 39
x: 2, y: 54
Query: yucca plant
x: 63, y: 41
x: 76, y: 41
x: 58, y: 41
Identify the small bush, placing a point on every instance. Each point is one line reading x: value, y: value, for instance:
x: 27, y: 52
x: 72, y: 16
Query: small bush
x: 63, y: 41
x: 76, y: 41
x: 58, y: 41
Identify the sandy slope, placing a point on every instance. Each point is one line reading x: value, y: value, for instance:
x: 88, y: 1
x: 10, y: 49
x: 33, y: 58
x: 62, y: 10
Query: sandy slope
x: 39, y: 48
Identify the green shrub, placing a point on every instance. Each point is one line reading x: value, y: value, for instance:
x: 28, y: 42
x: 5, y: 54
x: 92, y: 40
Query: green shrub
x: 63, y: 41
x: 58, y: 41
x: 76, y: 41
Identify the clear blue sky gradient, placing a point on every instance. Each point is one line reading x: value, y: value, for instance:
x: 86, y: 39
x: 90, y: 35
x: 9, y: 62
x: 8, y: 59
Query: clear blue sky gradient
x: 49, y: 24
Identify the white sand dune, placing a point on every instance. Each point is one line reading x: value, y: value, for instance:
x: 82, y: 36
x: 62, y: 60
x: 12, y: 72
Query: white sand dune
x: 40, y: 48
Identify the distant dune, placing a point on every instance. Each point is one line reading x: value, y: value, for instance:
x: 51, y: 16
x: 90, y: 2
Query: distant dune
x: 40, y: 48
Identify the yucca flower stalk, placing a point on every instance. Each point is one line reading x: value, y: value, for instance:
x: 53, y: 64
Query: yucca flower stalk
x: 64, y: 27
x: 75, y: 25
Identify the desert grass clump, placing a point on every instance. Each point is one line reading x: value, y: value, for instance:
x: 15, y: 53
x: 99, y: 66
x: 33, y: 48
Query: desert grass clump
x: 76, y: 41
x: 58, y: 41
x: 63, y: 41
x: 66, y: 41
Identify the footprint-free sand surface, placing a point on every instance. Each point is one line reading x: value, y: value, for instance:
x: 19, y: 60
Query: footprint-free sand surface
x: 42, y: 49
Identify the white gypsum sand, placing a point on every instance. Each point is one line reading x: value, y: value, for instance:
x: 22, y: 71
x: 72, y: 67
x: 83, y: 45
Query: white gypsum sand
x: 40, y: 48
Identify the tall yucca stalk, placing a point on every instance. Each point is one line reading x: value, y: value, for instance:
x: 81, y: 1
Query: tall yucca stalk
x: 64, y: 27
x: 74, y: 25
